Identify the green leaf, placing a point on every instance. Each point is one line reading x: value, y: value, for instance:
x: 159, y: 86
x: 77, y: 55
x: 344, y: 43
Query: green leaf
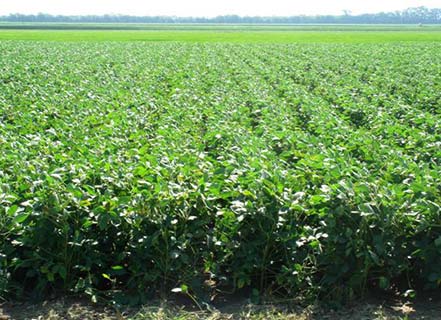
x: 317, y: 199
x: 50, y: 277
x: 21, y: 218
x: 12, y: 210
x: 62, y: 271
x: 106, y: 276
x: 384, y: 283
x: 241, y: 283
x: 117, y: 268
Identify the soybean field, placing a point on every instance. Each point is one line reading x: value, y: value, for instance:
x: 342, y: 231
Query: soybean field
x: 298, y: 169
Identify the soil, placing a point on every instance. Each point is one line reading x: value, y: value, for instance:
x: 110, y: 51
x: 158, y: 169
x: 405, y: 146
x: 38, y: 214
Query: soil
x: 80, y: 309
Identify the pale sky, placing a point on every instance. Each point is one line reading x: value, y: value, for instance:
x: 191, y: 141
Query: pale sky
x: 208, y: 8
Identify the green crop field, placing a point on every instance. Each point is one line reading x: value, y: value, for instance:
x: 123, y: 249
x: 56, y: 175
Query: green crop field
x: 283, y: 163
x: 220, y: 33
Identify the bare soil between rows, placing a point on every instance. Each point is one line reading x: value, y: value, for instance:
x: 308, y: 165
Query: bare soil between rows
x: 81, y: 309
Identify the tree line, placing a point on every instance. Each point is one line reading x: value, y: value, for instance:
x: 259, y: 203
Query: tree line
x: 416, y: 15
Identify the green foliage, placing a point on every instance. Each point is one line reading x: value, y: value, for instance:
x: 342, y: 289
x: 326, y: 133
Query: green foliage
x: 221, y: 33
x: 288, y: 169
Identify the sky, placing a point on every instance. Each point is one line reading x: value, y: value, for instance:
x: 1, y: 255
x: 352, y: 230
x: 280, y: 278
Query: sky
x: 208, y: 8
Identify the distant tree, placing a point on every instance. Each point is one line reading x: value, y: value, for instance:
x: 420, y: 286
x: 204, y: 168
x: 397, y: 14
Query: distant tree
x: 416, y: 15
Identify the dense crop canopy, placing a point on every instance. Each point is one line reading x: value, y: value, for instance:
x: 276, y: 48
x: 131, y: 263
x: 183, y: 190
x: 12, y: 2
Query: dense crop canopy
x: 310, y: 169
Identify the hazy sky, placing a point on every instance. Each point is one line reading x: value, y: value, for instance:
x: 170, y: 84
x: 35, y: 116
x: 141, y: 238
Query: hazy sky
x: 208, y: 7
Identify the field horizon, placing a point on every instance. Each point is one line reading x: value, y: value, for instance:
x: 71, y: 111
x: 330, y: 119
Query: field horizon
x: 219, y: 33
